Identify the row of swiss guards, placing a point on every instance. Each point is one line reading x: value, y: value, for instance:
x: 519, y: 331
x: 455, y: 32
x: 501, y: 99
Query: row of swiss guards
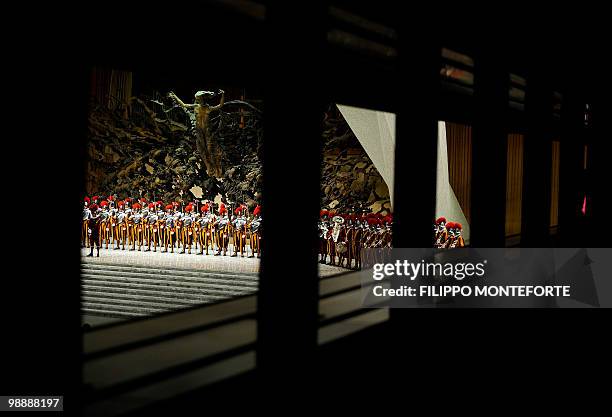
x: 148, y: 225
x: 343, y: 236
x: 447, y: 234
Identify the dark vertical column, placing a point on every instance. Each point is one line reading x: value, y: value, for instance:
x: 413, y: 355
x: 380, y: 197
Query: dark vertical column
x: 288, y: 293
x: 416, y: 143
x: 489, y: 151
x: 599, y: 171
x: 571, y: 182
x: 414, y: 198
x: 537, y: 163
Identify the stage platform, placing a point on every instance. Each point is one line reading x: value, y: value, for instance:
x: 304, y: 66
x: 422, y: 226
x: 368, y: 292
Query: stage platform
x: 209, y: 263
x: 124, y: 284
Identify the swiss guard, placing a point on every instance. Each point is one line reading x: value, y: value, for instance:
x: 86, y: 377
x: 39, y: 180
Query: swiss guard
x: 206, y: 229
x: 440, y: 232
x: 455, y: 239
x: 255, y: 232
x: 222, y: 225
x: 93, y: 230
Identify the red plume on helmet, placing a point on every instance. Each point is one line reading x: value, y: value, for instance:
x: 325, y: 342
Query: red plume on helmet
x: 238, y: 210
x: 441, y: 220
x: 111, y: 198
x: 136, y: 206
x: 120, y: 203
x: 103, y: 203
x: 169, y: 207
x: 205, y: 208
x: 189, y: 207
x: 257, y: 210
x: 151, y: 206
x: 87, y: 200
x: 323, y: 213
x: 450, y: 225
x: 458, y: 226
x: 93, y: 207
x: 95, y: 198
x: 222, y: 209
x: 142, y: 200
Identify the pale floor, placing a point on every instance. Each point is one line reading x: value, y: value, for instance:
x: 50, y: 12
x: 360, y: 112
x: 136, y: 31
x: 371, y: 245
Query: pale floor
x: 186, y: 261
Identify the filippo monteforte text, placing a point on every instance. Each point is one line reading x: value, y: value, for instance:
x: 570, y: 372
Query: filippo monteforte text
x: 477, y: 291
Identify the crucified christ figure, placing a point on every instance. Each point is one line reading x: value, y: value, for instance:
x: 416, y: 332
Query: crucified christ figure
x: 207, y: 146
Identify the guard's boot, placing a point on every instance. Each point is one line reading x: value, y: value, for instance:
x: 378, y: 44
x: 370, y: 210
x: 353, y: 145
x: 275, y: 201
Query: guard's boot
x: 91, y: 252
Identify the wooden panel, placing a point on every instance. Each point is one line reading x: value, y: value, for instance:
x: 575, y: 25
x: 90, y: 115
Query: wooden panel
x: 514, y: 184
x: 554, y: 197
x: 459, y: 144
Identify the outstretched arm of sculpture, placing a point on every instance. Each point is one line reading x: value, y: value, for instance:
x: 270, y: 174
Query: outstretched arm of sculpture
x: 221, y: 102
x: 179, y: 101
